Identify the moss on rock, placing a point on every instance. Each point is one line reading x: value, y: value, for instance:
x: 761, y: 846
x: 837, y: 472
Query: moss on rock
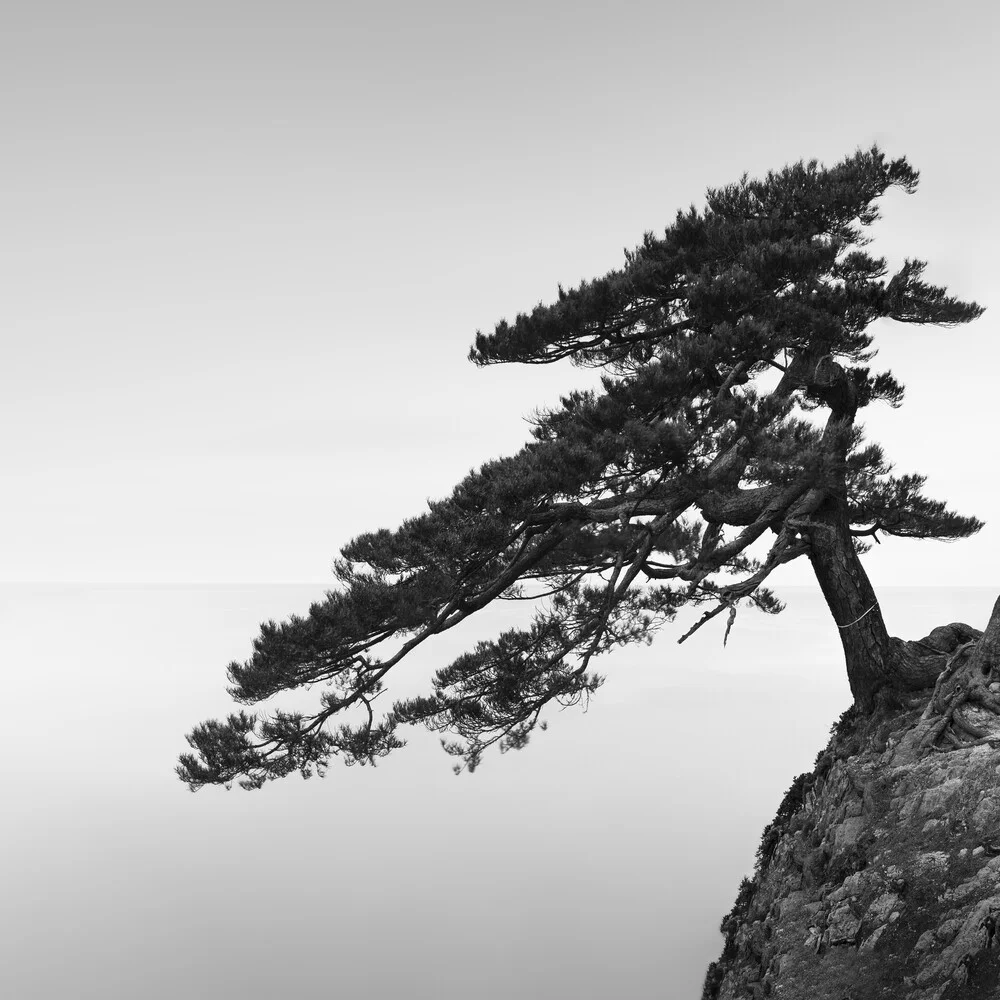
x: 879, y: 876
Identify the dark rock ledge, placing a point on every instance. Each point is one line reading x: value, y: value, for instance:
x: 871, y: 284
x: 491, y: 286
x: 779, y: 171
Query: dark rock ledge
x: 878, y: 878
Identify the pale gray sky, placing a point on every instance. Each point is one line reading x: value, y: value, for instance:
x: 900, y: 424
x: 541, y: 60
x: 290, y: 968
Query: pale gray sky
x: 246, y: 247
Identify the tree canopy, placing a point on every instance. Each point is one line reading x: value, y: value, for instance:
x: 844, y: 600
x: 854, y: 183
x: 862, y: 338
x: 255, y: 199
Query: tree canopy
x: 736, y: 353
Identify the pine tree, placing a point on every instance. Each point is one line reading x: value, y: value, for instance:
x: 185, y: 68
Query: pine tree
x: 735, y: 352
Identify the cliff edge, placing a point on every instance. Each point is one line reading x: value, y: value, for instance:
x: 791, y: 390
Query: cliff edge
x: 880, y: 875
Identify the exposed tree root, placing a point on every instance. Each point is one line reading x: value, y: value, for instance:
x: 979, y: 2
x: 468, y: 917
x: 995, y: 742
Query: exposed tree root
x: 960, y: 683
x: 972, y: 664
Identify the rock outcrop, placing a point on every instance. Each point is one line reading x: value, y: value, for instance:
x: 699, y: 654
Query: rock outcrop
x: 879, y: 877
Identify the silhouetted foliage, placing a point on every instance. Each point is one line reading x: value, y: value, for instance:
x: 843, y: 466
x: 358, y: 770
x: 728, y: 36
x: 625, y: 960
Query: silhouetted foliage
x: 790, y: 804
x: 722, y: 342
x: 713, y: 981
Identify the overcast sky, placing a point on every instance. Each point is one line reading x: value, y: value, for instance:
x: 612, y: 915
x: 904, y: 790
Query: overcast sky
x: 246, y: 247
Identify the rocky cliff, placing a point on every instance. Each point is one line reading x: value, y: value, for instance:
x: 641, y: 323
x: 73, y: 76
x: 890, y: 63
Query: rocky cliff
x: 880, y: 875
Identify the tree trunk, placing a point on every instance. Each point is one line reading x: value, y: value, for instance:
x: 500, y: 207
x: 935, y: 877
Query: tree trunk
x: 875, y: 659
x: 987, y: 653
x: 870, y: 652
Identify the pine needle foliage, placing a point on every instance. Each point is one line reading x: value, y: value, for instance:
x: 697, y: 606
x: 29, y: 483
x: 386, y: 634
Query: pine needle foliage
x: 630, y: 502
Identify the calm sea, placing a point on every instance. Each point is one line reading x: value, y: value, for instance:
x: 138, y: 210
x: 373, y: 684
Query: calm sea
x: 595, y: 863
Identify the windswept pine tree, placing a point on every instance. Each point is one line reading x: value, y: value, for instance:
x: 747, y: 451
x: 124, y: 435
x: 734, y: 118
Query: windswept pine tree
x: 736, y: 354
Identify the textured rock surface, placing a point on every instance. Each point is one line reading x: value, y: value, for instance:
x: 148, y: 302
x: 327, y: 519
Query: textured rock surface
x: 879, y: 878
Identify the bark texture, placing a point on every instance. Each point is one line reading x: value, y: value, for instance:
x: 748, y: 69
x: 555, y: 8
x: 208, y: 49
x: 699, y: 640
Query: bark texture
x: 876, y: 661
x: 873, y: 660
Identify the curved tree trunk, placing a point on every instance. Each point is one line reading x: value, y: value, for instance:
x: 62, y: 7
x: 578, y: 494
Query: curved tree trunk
x: 875, y: 659
x: 871, y: 654
x: 987, y: 653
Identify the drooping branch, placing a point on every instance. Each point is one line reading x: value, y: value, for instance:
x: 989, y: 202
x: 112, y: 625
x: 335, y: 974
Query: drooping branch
x: 619, y: 511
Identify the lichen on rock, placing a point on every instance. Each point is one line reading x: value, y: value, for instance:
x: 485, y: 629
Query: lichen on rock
x: 878, y: 878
